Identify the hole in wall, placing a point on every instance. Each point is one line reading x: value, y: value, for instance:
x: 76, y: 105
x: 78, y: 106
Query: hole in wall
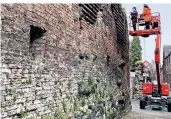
x: 119, y: 83
x: 121, y: 101
x: 108, y: 60
x: 95, y: 57
x: 106, y: 34
x: 35, y: 33
x: 117, y: 51
x: 123, y: 94
x: 81, y: 56
x: 56, y: 82
x: 102, y: 37
x: 81, y: 23
x: 86, y: 57
x: 60, y: 92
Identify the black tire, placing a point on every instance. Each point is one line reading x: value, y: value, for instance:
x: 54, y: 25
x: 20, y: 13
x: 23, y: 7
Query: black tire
x: 142, y: 104
x: 169, y: 105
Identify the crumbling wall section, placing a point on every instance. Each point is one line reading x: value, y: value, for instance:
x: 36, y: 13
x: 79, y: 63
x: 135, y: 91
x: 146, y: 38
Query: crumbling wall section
x: 77, y: 43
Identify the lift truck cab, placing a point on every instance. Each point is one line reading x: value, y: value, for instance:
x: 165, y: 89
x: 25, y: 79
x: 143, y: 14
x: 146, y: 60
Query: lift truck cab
x: 152, y: 97
x: 155, y: 93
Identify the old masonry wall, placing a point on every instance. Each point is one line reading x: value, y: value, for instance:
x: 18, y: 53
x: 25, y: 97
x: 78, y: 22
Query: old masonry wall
x: 77, y: 66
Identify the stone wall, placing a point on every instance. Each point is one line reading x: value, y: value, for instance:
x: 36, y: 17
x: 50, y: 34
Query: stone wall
x: 39, y: 74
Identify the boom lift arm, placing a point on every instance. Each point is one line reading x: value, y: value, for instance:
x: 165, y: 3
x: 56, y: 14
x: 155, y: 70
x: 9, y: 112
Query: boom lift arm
x: 157, y: 61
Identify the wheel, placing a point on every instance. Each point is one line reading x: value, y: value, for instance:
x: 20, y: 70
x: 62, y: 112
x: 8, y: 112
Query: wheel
x: 169, y: 105
x: 142, y: 104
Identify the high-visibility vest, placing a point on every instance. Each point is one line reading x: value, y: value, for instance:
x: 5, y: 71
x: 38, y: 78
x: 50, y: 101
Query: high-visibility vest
x: 147, y: 14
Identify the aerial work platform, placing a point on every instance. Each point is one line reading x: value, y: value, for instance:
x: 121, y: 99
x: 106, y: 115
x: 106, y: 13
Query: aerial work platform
x: 155, y: 27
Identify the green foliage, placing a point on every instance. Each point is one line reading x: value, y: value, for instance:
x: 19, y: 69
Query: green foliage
x: 21, y: 93
x: 87, y: 88
x: 83, y: 102
x: 14, y: 117
x: 31, y: 118
x: 14, y: 35
x: 59, y: 114
x: 14, y: 98
x: 46, y: 117
x: 23, y: 114
x: 96, y: 104
x: 65, y: 107
x: 69, y: 85
x: 8, y: 91
x: 76, y: 104
x: 27, y: 81
x: 11, y: 82
x: 135, y: 52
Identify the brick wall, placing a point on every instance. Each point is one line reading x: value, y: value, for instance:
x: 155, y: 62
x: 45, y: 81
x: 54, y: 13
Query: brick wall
x: 35, y: 80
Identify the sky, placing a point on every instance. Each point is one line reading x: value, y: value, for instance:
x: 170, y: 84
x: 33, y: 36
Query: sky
x: 148, y: 44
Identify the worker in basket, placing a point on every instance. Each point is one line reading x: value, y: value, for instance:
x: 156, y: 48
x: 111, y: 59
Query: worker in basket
x: 134, y: 15
x: 147, y: 16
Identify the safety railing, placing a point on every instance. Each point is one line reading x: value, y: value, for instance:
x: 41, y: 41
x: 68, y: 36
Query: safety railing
x: 155, y: 17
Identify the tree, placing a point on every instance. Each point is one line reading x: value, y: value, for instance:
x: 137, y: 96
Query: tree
x: 135, y: 52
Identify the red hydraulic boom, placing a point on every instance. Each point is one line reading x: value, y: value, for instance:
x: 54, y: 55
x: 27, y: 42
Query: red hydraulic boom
x: 157, y: 61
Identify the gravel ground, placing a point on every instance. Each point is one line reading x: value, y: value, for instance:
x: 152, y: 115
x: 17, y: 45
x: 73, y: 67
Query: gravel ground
x: 148, y: 113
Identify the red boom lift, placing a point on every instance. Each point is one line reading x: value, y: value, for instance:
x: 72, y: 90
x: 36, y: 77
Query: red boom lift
x: 154, y: 94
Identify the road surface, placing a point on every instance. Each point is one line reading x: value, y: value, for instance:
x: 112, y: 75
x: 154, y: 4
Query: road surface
x: 148, y: 113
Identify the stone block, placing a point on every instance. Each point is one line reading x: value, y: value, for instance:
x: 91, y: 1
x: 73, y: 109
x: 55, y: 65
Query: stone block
x: 8, y: 118
x: 8, y: 97
x: 21, y: 100
x: 4, y: 114
x: 37, y: 102
x: 5, y: 70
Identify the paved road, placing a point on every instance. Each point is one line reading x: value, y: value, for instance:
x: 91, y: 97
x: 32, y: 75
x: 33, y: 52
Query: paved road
x: 148, y: 113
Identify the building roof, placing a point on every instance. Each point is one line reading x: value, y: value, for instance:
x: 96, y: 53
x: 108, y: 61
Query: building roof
x: 168, y: 55
x: 167, y: 47
x: 166, y: 50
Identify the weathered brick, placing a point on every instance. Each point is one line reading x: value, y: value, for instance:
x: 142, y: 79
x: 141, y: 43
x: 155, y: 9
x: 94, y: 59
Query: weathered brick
x: 56, y: 59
